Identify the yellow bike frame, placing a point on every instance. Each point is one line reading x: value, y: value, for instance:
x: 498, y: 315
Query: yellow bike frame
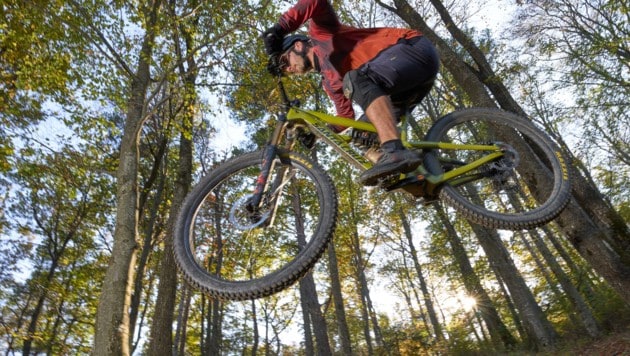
x: 318, y: 124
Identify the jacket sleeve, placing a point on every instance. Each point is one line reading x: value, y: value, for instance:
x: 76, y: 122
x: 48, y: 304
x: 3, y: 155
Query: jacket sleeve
x: 324, y: 21
x: 333, y: 85
x: 303, y: 11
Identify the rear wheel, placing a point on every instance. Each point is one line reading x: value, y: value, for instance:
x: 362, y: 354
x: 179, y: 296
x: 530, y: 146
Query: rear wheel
x: 228, y: 251
x: 525, y: 188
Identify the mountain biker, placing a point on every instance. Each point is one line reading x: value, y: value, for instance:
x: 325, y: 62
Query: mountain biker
x: 381, y: 69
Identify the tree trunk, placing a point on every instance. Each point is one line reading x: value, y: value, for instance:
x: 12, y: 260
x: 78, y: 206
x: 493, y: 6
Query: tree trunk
x: 583, y: 281
x: 309, y: 346
x: 588, y: 236
x: 548, y: 278
x: 364, y: 291
x: 256, y: 341
x: 32, y: 325
x: 180, y: 328
x: 148, y: 233
x: 112, y: 320
x: 161, y: 331
x: 412, y: 284
x: 584, y: 312
x: 340, y: 313
x: 536, y: 325
x: 308, y: 292
x: 499, y: 333
x: 437, y: 327
x: 510, y: 304
x: 317, y: 321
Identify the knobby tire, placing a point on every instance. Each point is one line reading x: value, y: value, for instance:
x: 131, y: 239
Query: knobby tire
x: 220, y: 254
x: 528, y: 196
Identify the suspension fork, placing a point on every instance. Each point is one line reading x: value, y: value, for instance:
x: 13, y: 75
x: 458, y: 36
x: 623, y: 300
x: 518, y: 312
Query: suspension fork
x: 270, y: 151
x: 269, y: 154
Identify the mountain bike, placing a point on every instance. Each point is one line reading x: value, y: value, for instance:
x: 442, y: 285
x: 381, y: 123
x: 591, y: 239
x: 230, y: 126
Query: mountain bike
x: 260, y: 221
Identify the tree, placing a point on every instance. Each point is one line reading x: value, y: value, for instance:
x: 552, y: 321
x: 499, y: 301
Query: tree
x: 337, y: 296
x: 62, y: 207
x: 589, y: 39
x: 437, y: 328
x: 112, y: 322
x: 588, y: 236
x: 498, y: 330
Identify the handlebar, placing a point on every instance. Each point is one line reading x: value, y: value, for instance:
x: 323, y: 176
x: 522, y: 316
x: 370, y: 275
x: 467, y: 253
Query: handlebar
x: 273, y: 65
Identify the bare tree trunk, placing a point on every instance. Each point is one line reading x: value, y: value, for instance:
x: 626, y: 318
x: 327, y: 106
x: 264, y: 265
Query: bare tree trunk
x: 215, y: 327
x: 589, y: 222
x: 437, y: 327
x: 414, y: 290
x: 363, y: 290
x: 586, y: 315
x: 32, y: 325
x: 308, y: 292
x: 256, y: 341
x: 161, y: 331
x: 112, y: 320
x: 315, y: 316
x: 537, y: 327
x: 180, y: 328
x: 309, y: 346
x: 548, y: 278
x: 340, y: 313
x: 499, y: 333
x: 510, y: 305
x: 583, y: 281
x: 148, y: 233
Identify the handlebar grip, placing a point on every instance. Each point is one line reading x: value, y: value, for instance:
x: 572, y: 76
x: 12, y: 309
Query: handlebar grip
x: 273, y: 65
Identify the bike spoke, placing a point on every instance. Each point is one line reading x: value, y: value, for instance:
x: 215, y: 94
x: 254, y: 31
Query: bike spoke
x: 525, y: 186
x: 238, y: 249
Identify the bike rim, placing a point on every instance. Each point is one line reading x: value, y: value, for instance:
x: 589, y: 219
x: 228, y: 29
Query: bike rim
x: 225, y: 245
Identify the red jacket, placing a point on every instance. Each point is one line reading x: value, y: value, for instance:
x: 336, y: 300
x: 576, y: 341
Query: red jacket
x: 339, y: 48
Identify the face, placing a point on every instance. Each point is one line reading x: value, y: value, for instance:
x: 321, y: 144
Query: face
x: 295, y: 60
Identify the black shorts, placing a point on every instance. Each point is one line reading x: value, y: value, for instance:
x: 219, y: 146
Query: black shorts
x: 405, y: 71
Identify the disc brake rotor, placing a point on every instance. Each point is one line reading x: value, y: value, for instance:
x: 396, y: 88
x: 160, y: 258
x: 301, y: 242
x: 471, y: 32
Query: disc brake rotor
x: 502, y: 169
x: 242, y: 218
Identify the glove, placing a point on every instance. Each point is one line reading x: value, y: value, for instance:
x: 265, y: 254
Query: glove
x: 272, y: 37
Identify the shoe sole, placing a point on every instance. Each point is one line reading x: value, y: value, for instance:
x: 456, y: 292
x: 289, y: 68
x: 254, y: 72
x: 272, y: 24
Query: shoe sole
x: 372, y: 178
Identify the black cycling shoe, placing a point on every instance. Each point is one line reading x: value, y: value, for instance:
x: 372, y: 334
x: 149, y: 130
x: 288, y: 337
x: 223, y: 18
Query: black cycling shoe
x: 398, y: 161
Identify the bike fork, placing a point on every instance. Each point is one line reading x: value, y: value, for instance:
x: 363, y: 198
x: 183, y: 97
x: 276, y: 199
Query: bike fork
x: 269, y: 154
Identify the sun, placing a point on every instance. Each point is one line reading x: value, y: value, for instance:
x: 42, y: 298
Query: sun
x: 468, y: 303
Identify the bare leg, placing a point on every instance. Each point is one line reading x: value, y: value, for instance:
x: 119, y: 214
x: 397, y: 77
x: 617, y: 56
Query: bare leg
x: 380, y: 113
x: 395, y: 158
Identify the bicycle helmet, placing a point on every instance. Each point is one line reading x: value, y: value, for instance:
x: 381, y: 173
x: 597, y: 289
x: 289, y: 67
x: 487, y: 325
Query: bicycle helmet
x: 288, y: 41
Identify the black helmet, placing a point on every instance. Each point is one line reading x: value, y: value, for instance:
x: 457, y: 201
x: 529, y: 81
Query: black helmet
x: 288, y: 41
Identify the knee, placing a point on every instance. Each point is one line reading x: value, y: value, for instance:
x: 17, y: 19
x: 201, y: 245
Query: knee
x: 360, y: 88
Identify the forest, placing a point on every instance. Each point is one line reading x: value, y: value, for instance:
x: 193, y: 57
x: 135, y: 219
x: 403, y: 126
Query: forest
x: 112, y: 110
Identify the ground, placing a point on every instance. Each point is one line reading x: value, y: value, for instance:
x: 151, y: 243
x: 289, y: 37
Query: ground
x: 612, y: 345
x: 615, y: 344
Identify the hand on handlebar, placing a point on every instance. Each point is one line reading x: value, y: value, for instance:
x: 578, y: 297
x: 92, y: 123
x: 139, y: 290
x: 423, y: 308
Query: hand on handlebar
x: 273, y: 65
x: 272, y: 37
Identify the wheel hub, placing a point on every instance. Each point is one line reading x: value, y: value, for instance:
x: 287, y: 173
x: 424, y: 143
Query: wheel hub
x: 245, y: 217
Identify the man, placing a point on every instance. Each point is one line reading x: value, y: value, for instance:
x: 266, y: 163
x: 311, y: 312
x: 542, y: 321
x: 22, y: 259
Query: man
x: 380, y: 69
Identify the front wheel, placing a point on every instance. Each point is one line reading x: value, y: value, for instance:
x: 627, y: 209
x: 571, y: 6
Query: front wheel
x: 526, y: 188
x: 230, y: 251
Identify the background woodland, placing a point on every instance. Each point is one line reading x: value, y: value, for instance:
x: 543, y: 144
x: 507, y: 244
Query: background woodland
x: 112, y: 110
